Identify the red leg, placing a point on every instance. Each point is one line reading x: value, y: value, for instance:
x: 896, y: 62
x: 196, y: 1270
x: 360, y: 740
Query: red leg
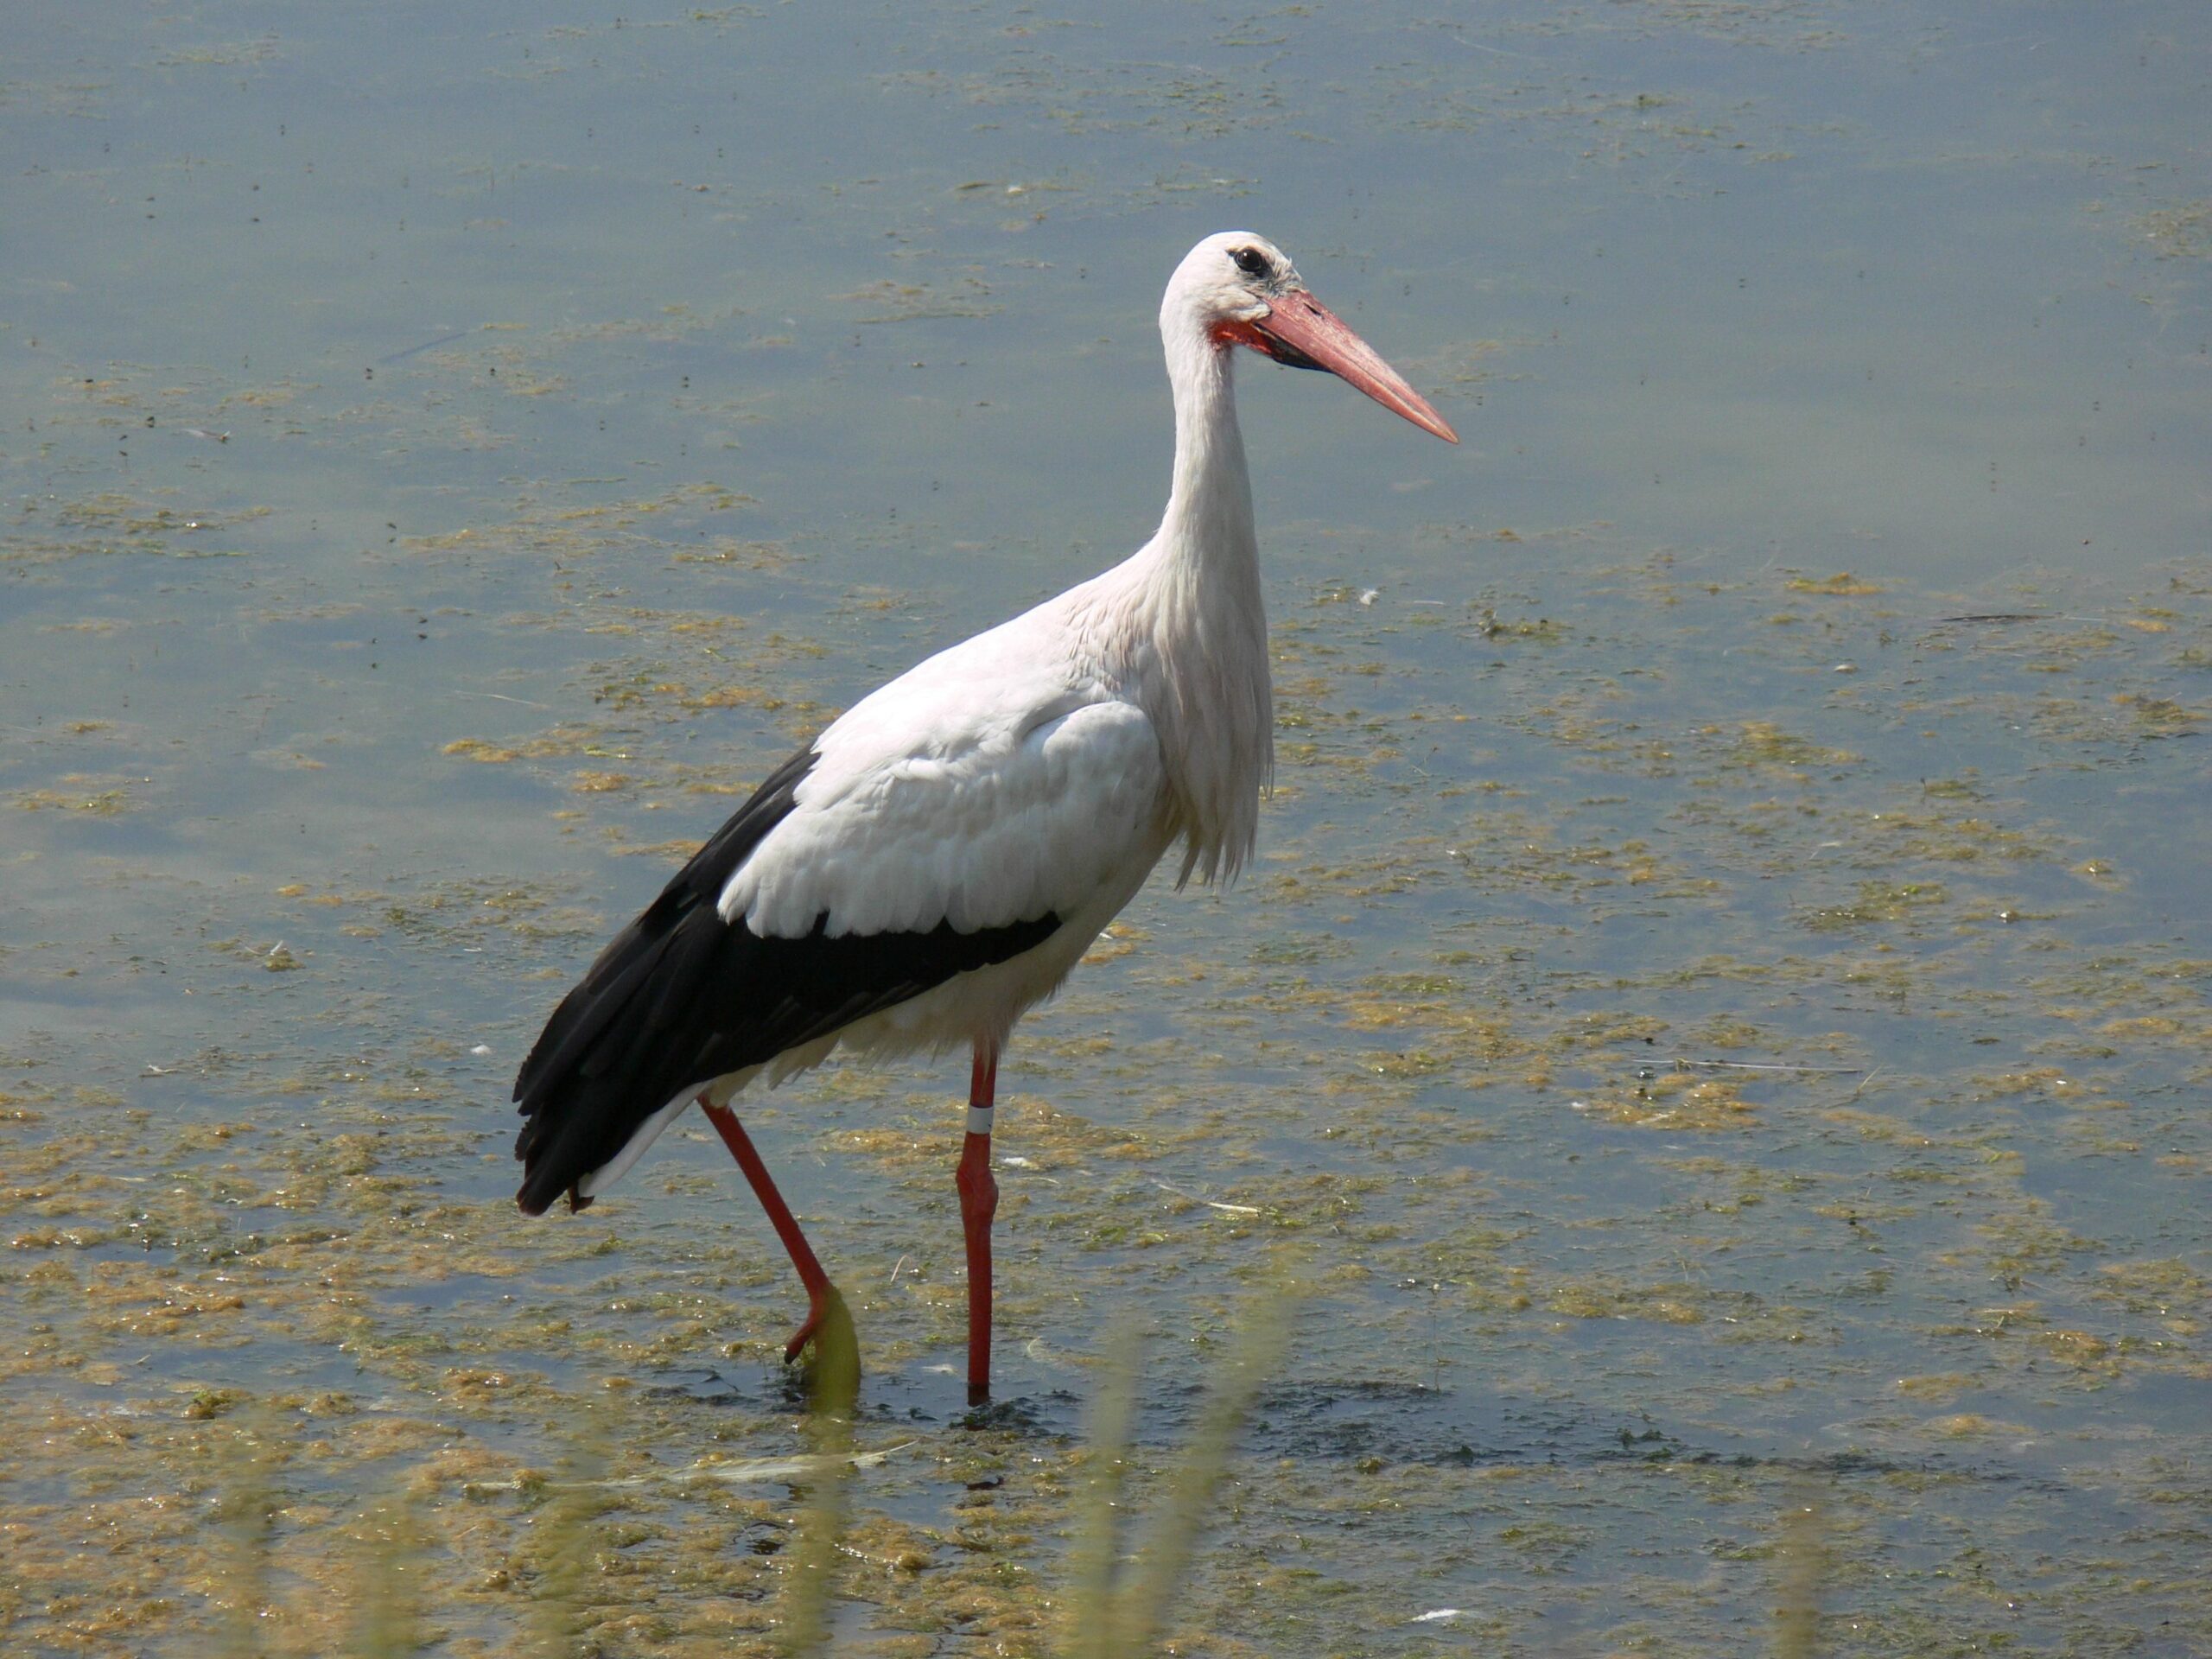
x: 823, y: 1301
x: 979, y: 1202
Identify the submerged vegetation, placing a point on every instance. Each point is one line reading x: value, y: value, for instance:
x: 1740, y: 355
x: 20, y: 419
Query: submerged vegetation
x: 1117, y: 1595
x: 1776, y: 1185
x: 1721, y: 1015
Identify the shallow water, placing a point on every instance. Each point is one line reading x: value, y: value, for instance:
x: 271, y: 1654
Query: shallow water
x: 1719, y: 1017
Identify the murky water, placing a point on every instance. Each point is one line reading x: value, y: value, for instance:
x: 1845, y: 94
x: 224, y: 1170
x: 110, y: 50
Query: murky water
x: 1719, y: 1018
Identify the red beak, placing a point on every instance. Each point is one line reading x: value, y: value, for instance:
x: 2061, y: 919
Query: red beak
x: 1302, y: 332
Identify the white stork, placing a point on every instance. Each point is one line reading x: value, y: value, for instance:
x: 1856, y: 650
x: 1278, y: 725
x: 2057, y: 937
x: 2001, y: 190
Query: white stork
x: 933, y: 864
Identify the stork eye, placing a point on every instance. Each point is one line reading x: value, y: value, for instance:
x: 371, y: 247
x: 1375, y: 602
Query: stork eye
x: 1250, y: 261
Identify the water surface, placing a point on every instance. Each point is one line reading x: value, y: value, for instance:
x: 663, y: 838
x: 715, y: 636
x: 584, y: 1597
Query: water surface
x: 1718, y: 1016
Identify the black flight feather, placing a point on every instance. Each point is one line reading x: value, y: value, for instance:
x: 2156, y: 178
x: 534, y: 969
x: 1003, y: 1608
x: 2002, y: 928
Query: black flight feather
x: 682, y: 997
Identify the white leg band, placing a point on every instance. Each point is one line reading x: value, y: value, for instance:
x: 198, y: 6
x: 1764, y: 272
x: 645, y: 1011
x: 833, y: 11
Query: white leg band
x: 979, y: 1120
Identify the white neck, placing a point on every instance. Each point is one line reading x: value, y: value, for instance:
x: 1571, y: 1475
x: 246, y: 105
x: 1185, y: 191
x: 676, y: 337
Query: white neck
x: 1209, y: 507
x: 1206, y: 685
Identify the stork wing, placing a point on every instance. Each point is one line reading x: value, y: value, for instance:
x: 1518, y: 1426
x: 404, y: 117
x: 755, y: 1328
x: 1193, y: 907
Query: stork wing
x: 981, y: 826
x: 937, y: 829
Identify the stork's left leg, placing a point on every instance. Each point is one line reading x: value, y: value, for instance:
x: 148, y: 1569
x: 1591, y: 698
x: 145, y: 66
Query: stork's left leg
x: 825, y: 1308
x: 979, y: 1202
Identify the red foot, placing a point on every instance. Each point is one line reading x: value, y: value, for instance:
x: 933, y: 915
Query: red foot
x: 837, y: 1361
x: 822, y: 1309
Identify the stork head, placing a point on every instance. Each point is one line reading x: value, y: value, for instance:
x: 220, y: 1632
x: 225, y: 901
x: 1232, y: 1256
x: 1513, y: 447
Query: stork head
x: 1237, y: 288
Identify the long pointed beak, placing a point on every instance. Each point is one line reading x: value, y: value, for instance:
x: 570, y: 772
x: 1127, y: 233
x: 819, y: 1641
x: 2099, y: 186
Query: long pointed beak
x: 1303, y: 328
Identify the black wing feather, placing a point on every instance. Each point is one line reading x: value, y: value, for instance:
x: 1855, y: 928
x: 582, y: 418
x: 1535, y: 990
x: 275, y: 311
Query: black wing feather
x: 682, y: 997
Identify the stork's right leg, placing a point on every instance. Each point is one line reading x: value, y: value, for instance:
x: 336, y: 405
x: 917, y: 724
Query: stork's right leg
x: 824, y: 1305
x: 979, y: 1202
